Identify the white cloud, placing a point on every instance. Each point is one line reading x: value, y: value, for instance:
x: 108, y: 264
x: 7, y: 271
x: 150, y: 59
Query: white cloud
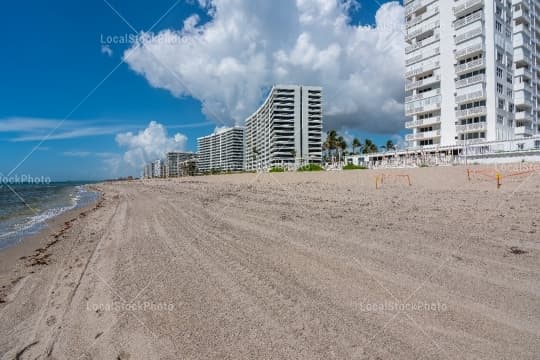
x: 107, y: 50
x: 149, y: 144
x: 38, y: 129
x: 230, y: 62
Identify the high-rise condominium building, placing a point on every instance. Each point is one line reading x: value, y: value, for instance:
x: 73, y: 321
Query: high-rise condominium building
x: 472, y: 71
x: 286, y: 129
x: 222, y: 151
x: 175, y: 160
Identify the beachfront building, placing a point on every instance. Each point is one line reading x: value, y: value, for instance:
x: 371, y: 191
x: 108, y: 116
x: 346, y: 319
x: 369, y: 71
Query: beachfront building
x: 157, y: 168
x: 286, y: 130
x: 472, y: 70
x: 221, y: 151
x: 175, y: 160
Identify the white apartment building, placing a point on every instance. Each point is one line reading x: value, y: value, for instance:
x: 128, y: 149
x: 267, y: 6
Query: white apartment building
x: 175, y: 161
x: 472, y: 70
x: 286, y: 130
x: 222, y: 151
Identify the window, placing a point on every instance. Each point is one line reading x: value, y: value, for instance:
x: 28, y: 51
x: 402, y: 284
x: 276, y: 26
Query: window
x: 501, y: 104
x: 499, y: 88
x: 499, y: 72
x: 499, y: 56
x: 498, y: 26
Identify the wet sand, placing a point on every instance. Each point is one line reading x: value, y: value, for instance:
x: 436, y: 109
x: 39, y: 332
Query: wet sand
x: 292, y: 265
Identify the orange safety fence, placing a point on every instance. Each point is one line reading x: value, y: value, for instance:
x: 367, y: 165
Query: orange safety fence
x: 498, y: 175
x: 380, y: 179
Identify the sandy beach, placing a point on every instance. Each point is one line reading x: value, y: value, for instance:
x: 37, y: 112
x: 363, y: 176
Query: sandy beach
x: 284, y: 266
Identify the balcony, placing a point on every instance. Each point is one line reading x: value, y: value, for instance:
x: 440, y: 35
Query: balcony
x: 423, y: 95
x: 416, y: 84
x: 415, y: 6
x: 462, y: 53
x: 522, y: 28
x: 423, y: 56
x: 471, y: 80
x: 423, y: 69
x: 458, y: 24
x: 419, y: 18
x: 523, y: 72
x: 474, y: 127
x: 423, y: 135
x: 423, y: 122
x: 476, y: 95
x: 469, y: 35
x: 420, y: 44
x: 476, y: 111
x: 523, y: 117
x: 420, y: 30
x: 523, y: 131
x: 423, y: 108
x: 470, y: 66
x: 465, y: 6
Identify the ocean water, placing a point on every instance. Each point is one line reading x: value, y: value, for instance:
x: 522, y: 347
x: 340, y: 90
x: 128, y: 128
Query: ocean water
x: 25, y: 209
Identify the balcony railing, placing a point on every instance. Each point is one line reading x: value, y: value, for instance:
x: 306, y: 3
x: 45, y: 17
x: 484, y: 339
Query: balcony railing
x: 470, y: 80
x: 469, y: 50
x: 418, y: 19
x: 471, y: 65
x: 461, y: 8
x: 423, y: 108
x: 423, y: 135
x: 423, y: 95
x: 523, y: 116
x: 427, y: 121
x: 477, y: 95
x: 523, y: 131
x: 422, y: 43
x: 469, y: 35
x: 471, y: 127
x: 422, y: 69
x: 468, y: 20
x: 415, y: 84
x: 480, y: 110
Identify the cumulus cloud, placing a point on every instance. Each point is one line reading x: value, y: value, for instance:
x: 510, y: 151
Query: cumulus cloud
x: 149, y: 144
x: 230, y: 62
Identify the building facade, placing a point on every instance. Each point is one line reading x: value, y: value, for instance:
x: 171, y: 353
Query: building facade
x: 175, y: 160
x: 286, y: 130
x: 472, y: 70
x: 221, y: 151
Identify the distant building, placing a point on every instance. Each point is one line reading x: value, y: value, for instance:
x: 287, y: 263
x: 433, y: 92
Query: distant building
x: 222, y: 151
x: 148, y: 171
x: 175, y: 159
x: 286, y: 130
x: 157, y: 168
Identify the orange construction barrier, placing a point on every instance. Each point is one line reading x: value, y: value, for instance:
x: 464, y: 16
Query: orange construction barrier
x: 379, y: 179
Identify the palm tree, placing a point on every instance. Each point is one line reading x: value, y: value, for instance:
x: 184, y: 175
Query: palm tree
x: 355, y: 145
x: 331, y: 142
x: 369, y: 147
x: 390, y: 145
x: 341, y: 145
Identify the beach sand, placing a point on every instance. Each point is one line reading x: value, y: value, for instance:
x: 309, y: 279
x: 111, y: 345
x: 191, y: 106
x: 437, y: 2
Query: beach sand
x: 288, y: 265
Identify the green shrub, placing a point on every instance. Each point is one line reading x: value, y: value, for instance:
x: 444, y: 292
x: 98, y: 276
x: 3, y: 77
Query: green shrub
x: 310, y: 167
x: 277, y: 169
x: 354, y: 167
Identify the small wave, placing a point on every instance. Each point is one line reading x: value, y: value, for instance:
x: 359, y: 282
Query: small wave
x: 12, y: 234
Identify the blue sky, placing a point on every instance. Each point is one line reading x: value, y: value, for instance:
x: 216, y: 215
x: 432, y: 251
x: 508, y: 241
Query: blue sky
x: 53, y: 59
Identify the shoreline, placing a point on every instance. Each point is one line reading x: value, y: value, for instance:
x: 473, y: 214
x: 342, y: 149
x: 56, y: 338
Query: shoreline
x: 32, y: 251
